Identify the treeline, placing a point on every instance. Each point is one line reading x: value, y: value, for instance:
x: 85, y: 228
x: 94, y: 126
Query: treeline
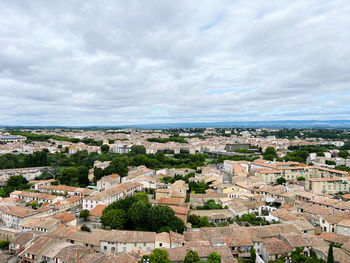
x: 46, y: 137
x: 165, y: 140
x: 10, y: 161
x: 136, y: 213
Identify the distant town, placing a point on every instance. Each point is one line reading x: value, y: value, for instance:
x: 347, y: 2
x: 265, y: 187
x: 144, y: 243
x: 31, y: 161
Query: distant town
x: 201, y: 194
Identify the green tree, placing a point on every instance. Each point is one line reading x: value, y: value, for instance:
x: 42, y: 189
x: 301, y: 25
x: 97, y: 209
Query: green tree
x: 343, y: 154
x: 280, y: 180
x: 192, y: 257
x: 138, y: 149
x: 160, y: 215
x: 84, y: 214
x: 104, y: 148
x: 159, y: 256
x: 252, y: 255
x: 119, y: 165
x: 214, y: 257
x: 85, y: 228
x: 301, y: 178
x: 115, y: 218
x: 143, y: 197
x: 330, y: 257
x: 320, y: 154
x: 176, y: 225
x: 270, y: 154
x: 194, y: 220
x: 138, y: 215
x: 204, y: 221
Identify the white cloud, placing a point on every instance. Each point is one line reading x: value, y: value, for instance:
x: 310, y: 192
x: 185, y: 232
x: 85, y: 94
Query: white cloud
x: 124, y: 62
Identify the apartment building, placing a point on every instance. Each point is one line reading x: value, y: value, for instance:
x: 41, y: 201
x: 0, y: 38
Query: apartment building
x: 330, y: 185
x: 110, y: 195
x: 37, y: 197
x: 13, y: 216
x: 29, y: 173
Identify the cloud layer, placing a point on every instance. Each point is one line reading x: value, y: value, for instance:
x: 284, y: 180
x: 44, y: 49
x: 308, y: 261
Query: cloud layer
x: 111, y: 62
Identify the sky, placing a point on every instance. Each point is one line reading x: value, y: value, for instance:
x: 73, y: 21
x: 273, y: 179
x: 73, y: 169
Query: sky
x: 137, y: 62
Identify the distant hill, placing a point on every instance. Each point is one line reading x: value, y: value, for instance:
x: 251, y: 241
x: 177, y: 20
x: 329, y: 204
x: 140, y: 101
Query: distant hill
x: 340, y: 124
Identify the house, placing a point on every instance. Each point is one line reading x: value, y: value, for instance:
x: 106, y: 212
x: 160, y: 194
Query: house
x: 41, y: 224
x: 13, y: 216
x: 71, y: 204
x: 96, y: 213
x: 37, y: 197
x: 162, y: 240
x: 110, y: 195
x: 108, y: 181
x: 21, y: 241
x: 273, y: 248
x: 343, y: 227
x: 67, y: 219
x: 240, y: 245
x: 117, y: 241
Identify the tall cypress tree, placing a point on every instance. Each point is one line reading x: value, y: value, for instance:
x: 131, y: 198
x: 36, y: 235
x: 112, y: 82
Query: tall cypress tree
x: 330, y: 258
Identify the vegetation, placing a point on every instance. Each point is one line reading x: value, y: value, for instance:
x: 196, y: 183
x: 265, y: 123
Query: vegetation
x: 165, y: 140
x: 158, y: 256
x: 84, y: 214
x: 16, y: 182
x: 343, y: 154
x: 270, y: 154
x: 4, y: 244
x: 298, y: 256
x: 85, y: 228
x: 281, y: 180
x: 198, y: 221
x: 330, y: 257
x: 251, y: 219
x: 210, y: 205
x: 214, y: 257
x: 192, y: 257
x: 330, y: 162
x: 136, y: 213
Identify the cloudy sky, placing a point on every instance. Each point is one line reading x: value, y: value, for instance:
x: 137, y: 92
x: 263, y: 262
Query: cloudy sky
x: 134, y: 62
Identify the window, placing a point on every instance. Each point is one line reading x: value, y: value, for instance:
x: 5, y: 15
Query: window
x: 160, y: 244
x: 144, y: 244
x: 105, y: 248
x: 124, y: 249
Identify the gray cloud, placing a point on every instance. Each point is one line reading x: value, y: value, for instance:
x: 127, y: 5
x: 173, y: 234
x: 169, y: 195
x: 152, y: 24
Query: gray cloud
x: 123, y: 62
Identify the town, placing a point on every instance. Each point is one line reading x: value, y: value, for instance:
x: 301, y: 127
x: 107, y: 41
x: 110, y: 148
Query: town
x: 182, y: 195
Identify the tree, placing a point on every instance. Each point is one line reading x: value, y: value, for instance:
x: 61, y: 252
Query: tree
x: 270, y: 154
x: 143, y: 197
x: 84, y: 214
x: 343, y: 154
x: 192, y: 257
x: 104, y: 148
x: 176, y: 225
x: 115, y: 218
x: 252, y: 255
x: 159, y: 256
x: 204, y: 221
x: 320, y: 154
x: 214, y: 257
x: 194, y: 220
x: 280, y: 180
x: 85, y: 228
x: 138, y: 149
x: 159, y: 216
x: 330, y: 258
x: 301, y: 178
x: 119, y: 165
x: 138, y: 214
